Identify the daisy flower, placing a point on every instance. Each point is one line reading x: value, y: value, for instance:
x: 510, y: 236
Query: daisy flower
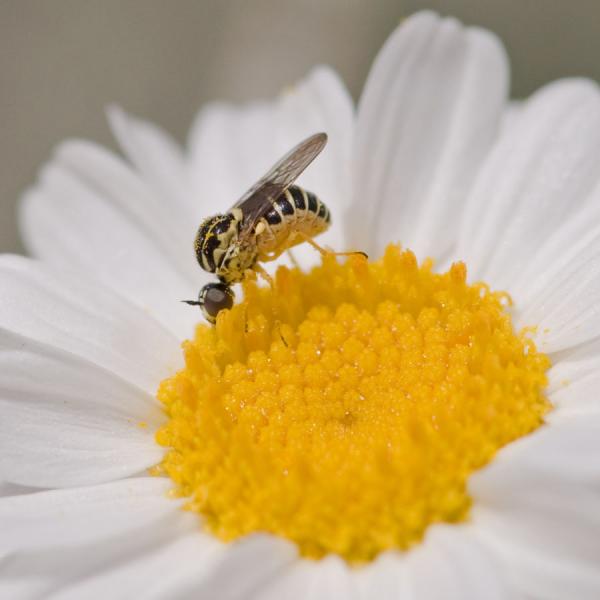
x: 424, y: 425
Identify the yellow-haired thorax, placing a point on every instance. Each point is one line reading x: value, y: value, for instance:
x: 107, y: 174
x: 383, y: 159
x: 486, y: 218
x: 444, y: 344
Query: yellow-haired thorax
x: 346, y: 408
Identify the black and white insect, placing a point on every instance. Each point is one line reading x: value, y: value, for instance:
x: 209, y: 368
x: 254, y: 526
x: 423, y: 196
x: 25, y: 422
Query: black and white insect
x: 271, y: 217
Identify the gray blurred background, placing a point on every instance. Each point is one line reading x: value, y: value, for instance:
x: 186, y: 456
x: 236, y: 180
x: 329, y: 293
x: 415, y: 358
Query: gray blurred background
x: 63, y: 61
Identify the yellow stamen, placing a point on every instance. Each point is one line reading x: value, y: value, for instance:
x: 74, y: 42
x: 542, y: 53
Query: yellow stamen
x: 393, y: 385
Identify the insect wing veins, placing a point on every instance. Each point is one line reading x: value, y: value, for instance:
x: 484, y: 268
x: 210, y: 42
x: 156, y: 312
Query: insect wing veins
x: 259, y: 198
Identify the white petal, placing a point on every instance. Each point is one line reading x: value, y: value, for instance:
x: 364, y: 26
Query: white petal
x: 13, y: 489
x: 511, y: 113
x: 541, y: 495
x: 65, y: 422
x: 429, y: 113
x: 555, y: 457
x: 39, y: 373
x: 22, y: 587
x: 540, y: 576
x: 452, y: 564
x: 157, y: 157
x: 563, y: 301
x: 464, y: 568
x: 63, y: 311
x: 546, y: 550
x: 231, y: 148
x: 170, y: 571
x: 387, y: 578
x: 540, y: 172
x: 90, y: 211
x: 574, y: 398
x: 324, y: 579
x: 255, y: 560
x: 68, y: 518
x: 56, y: 569
x: 193, y: 565
x: 575, y: 370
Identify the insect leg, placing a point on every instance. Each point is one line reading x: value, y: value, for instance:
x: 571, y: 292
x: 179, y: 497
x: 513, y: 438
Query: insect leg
x: 325, y: 251
x: 292, y: 259
x: 258, y: 269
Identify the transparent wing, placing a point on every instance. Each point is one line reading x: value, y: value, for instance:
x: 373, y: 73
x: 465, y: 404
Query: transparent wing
x: 259, y: 198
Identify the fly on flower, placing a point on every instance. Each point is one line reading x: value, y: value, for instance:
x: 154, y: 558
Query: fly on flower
x: 271, y: 217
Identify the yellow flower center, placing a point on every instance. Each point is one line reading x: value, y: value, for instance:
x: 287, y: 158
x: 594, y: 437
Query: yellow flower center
x: 346, y: 408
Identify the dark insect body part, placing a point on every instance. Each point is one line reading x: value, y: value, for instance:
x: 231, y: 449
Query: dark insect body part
x: 271, y: 217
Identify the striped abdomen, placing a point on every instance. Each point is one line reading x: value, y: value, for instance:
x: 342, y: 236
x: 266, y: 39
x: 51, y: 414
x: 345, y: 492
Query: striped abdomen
x: 296, y: 210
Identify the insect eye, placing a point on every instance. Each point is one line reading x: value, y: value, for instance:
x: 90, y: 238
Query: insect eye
x: 213, y: 298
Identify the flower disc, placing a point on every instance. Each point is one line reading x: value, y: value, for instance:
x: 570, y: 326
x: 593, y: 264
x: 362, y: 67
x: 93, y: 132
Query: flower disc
x: 346, y: 408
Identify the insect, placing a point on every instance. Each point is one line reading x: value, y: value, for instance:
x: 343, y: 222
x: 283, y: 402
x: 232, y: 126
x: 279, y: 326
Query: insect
x: 271, y: 217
